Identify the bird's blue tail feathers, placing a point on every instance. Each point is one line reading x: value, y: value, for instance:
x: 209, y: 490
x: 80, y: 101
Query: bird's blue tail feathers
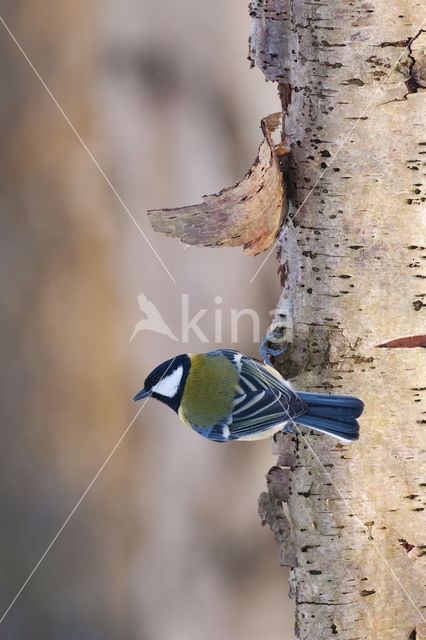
x: 335, y: 415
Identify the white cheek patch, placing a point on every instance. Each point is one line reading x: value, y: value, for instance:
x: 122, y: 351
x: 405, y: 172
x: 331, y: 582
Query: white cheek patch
x: 169, y: 385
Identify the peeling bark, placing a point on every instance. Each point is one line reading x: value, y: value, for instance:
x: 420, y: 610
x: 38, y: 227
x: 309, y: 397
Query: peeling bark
x: 351, y: 269
x: 407, y: 342
x: 247, y: 214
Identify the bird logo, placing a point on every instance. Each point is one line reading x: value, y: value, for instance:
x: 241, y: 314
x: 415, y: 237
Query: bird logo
x: 153, y: 320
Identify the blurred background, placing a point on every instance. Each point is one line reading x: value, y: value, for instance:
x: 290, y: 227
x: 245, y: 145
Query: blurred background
x: 167, y: 544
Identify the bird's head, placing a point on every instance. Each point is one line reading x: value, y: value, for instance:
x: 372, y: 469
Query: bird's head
x: 167, y: 381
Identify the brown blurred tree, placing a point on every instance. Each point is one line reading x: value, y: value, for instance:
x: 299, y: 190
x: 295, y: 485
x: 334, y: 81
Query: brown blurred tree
x: 61, y: 387
x: 352, y: 81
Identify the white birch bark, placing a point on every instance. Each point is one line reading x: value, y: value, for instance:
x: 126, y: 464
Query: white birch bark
x: 352, y: 279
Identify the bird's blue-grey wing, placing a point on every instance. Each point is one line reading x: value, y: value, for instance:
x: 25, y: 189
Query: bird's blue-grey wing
x: 263, y: 401
x: 263, y: 410
x: 255, y: 377
x: 254, y: 413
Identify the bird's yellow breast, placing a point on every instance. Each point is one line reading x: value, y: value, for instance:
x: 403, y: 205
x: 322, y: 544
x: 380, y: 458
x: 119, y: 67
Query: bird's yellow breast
x: 209, y: 390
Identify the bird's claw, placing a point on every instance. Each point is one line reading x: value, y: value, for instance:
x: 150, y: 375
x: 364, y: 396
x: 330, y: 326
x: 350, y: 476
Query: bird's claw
x: 288, y: 428
x: 268, y: 351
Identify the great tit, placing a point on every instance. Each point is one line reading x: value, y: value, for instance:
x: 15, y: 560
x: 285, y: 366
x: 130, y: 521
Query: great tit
x: 224, y: 395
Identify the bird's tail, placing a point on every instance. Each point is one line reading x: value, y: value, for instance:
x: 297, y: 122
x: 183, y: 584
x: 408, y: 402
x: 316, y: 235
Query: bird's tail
x: 335, y: 415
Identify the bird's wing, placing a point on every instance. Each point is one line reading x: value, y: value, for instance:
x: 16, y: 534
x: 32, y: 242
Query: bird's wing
x: 263, y: 401
x: 255, y: 376
x: 254, y: 413
x: 259, y: 411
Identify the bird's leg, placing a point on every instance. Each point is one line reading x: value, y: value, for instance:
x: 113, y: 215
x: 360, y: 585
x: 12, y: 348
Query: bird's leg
x: 266, y: 351
x: 288, y: 428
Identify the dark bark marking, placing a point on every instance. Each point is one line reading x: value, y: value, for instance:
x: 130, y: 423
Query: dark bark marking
x: 407, y: 342
x: 406, y: 545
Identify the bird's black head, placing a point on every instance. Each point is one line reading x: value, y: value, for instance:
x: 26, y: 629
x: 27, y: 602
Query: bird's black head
x: 167, y: 381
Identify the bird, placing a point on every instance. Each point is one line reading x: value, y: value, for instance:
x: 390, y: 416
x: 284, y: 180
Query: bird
x: 153, y: 320
x: 225, y: 395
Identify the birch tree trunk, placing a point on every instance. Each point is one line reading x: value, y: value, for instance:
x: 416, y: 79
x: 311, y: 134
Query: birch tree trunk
x: 351, y: 76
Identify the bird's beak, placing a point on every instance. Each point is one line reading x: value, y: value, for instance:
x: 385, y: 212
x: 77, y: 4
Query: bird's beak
x: 142, y: 394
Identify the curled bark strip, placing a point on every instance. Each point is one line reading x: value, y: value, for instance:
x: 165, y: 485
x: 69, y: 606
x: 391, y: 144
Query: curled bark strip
x: 248, y: 213
x: 408, y: 342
